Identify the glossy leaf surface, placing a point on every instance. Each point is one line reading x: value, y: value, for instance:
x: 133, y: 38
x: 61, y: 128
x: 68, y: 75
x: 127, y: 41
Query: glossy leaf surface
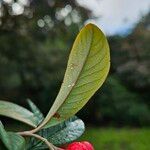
x: 60, y: 134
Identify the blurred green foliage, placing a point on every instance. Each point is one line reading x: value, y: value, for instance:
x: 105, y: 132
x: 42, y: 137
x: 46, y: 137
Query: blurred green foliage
x: 118, y: 139
x: 34, y: 47
x: 124, y: 97
x: 115, y: 104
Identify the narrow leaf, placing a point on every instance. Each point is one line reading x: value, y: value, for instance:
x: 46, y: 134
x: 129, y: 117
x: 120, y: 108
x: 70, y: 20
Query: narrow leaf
x: 36, y: 111
x: 17, y: 112
x: 12, y: 141
x: 87, y: 68
x: 60, y: 134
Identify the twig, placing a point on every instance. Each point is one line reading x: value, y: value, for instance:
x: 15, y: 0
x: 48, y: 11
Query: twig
x: 50, y: 145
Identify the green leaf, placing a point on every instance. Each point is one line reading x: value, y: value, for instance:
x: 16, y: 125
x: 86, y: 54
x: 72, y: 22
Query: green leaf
x: 12, y: 141
x: 87, y: 69
x: 36, y: 111
x: 17, y: 112
x: 67, y: 131
x: 60, y: 134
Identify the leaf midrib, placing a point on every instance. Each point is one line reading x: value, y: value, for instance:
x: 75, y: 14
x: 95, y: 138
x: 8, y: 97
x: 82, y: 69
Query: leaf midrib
x: 92, y: 34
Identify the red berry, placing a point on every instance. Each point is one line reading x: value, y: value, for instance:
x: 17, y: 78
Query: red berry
x: 76, y: 146
x: 88, y: 145
x: 80, y: 146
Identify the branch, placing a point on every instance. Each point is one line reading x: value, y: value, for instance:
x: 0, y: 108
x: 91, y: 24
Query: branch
x: 50, y: 145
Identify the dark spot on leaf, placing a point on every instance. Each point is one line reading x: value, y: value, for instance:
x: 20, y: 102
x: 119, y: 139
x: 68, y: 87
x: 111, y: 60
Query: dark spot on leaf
x: 56, y: 115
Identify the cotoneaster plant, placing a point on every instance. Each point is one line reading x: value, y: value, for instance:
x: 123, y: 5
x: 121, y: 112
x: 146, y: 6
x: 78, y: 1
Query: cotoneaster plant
x: 87, y: 69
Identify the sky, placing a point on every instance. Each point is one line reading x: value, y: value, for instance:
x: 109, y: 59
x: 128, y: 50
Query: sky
x: 116, y: 16
x: 113, y: 16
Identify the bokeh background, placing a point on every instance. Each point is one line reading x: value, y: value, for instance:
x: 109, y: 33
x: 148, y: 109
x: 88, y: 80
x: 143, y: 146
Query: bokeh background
x: 35, y: 40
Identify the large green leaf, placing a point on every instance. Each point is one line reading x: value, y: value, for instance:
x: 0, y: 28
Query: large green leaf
x: 17, y: 112
x: 60, y: 134
x: 12, y: 141
x: 87, y: 68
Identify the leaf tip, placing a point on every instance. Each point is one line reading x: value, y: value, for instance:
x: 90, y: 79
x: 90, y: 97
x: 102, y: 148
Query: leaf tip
x: 91, y: 25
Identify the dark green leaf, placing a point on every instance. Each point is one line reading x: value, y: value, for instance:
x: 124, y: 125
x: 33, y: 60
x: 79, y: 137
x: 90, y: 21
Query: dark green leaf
x: 12, y: 141
x: 65, y: 132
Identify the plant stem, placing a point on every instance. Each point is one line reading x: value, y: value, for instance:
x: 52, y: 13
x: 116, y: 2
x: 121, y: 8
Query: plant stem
x: 33, y: 130
x: 50, y: 145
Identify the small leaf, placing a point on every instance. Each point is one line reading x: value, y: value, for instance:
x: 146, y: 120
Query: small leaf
x: 36, y: 111
x: 12, y: 141
x: 17, y: 112
x: 69, y: 131
x: 60, y: 134
x: 87, y: 69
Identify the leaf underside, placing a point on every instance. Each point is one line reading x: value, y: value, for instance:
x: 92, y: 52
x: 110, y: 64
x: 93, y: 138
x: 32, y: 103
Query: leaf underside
x: 87, y: 68
x: 60, y: 134
x: 17, y: 112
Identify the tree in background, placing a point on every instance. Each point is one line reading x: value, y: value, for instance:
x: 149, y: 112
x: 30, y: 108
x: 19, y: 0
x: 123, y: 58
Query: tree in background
x: 124, y: 99
x: 34, y: 46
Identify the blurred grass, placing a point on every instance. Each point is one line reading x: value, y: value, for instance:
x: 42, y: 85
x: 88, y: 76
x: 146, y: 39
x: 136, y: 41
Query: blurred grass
x: 108, y: 138
x: 118, y: 139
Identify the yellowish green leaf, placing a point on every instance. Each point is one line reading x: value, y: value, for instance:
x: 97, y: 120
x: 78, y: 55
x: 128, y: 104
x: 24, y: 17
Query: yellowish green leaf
x: 87, y: 69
